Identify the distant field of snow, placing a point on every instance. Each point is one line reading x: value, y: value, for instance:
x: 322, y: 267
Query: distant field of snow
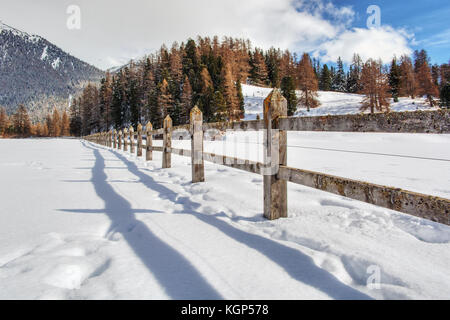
x: 81, y: 221
x: 332, y: 103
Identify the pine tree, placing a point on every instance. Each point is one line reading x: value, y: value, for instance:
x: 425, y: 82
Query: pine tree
x: 339, y: 81
x: 376, y: 88
x: 75, y: 118
x: 240, y: 99
x: 445, y: 84
x: 394, y: 79
x: 258, y: 69
x: 288, y: 91
x: 308, y: 83
x: 105, y: 97
x: 273, y: 66
x: 325, y: 79
x: 185, y: 101
x: 219, y: 108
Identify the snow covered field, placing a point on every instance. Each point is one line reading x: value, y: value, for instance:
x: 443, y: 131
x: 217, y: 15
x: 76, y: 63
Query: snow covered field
x: 331, y: 103
x: 80, y: 221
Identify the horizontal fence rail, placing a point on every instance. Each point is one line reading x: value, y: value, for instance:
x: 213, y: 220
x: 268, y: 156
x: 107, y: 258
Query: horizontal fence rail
x: 437, y: 121
x: 421, y: 205
x: 276, y: 173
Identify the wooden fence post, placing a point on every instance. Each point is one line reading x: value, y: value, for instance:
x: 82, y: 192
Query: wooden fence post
x: 149, y: 141
x: 275, y: 190
x: 125, y: 139
x: 110, y: 137
x: 139, y: 140
x: 119, y: 142
x: 115, y: 139
x: 131, y: 140
x: 196, y: 128
x: 167, y: 140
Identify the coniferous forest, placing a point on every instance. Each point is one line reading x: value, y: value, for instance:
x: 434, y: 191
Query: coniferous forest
x: 209, y: 73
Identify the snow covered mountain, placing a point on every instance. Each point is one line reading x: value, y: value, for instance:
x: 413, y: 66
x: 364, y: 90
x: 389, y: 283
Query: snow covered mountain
x: 33, y: 70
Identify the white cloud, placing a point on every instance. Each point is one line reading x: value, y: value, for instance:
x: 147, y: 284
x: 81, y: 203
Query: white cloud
x: 113, y: 32
x: 380, y: 43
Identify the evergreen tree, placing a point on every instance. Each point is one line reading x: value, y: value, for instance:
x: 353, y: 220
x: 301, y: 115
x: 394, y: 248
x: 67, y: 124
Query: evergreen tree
x: 339, y: 81
x: 240, y: 99
x: 354, y: 75
x: 219, y: 108
x: 325, y: 79
x: 394, y: 79
x: 273, y: 64
x: 105, y: 92
x: 445, y: 84
x: 75, y: 118
x: 288, y: 91
x: 185, y: 101
x: 117, y: 103
x: 258, y: 69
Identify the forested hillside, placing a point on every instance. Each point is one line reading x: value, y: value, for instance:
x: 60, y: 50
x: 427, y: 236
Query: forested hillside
x: 38, y: 74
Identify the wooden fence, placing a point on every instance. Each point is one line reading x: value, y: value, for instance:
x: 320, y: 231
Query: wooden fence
x: 274, y: 168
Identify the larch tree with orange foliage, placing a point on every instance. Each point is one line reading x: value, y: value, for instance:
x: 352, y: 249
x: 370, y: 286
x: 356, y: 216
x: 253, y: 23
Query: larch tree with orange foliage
x: 425, y: 84
x: 308, y: 84
x: 3, y: 121
x: 375, y: 85
x: 65, y: 125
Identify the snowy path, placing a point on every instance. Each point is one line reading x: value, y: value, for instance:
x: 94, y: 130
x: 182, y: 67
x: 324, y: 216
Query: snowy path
x: 78, y: 220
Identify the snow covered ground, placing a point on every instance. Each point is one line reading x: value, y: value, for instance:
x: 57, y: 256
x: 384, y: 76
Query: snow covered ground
x: 81, y: 221
x: 331, y: 103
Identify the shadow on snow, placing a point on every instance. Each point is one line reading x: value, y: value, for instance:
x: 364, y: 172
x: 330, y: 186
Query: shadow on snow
x: 298, y: 265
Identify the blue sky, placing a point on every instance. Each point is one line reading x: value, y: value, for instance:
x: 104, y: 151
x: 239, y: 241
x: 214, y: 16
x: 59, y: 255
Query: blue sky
x: 429, y: 20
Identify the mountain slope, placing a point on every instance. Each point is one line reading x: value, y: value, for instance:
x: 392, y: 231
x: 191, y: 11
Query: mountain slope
x: 33, y: 70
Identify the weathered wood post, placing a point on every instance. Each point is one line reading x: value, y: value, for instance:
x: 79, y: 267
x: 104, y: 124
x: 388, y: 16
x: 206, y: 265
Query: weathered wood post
x: 110, y: 137
x: 115, y: 139
x: 132, y: 140
x: 149, y: 141
x: 139, y: 140
x: 119, y: 142
x: 167, y: 143
x: 125, y: 139
x: 275, y: 190
x: 196, y: 128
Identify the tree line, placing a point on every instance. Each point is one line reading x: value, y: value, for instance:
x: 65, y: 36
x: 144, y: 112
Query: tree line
x: 19, y: 124
x: 208, y: 73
